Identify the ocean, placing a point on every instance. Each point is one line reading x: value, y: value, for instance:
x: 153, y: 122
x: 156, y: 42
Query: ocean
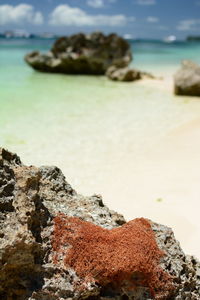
x: 102, y: 134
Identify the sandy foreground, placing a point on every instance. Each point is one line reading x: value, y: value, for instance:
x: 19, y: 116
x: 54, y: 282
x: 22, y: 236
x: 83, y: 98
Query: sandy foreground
x: 165, y: 187
x: 165, y: 183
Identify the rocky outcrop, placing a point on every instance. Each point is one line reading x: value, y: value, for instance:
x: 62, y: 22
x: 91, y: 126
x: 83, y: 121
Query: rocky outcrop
x: 126, y: 74
x: 56, y: 244
x: 123, y: 74
x: 82, y: 54
x: 187, y: 79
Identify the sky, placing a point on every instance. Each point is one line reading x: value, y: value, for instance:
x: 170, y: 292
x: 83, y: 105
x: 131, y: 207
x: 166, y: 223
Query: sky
x: 133, y: 18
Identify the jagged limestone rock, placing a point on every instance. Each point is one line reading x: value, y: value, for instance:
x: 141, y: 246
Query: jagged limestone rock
x: 30, y: 201
x: 83, y: 54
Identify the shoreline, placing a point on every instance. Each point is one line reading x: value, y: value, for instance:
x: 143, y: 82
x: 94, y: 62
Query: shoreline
x: 141, y: 170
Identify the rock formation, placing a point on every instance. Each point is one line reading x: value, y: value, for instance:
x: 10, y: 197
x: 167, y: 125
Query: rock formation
x: 56, y: 244
x: 83, y: 54
x: 187, y: 79
x: 127, y: 74
x: 123, y: 74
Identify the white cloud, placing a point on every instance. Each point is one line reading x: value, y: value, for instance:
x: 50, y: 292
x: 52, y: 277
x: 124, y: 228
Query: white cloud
x: 146, y: 2
x: 65, y: 15
x: 99, y: 3
x: 38, y: 18
x: 152, y: 20
x: 189, y: 25
x: 22, y: 13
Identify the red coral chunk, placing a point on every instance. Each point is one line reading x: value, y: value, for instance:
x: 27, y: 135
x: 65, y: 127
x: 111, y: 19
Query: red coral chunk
x: 127, y: 256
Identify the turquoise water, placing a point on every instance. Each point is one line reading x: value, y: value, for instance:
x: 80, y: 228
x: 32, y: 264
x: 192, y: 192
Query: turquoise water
x: 106, y: 136
x: 88, y: 125
x: 146, y: 53
x: 161, y: 54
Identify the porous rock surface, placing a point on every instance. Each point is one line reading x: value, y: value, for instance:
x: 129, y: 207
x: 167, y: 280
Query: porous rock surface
x: 82, y: 54
x: 187, y: 79
x: 31, y: 267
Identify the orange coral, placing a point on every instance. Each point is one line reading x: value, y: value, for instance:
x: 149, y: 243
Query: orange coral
x: 127, y: 256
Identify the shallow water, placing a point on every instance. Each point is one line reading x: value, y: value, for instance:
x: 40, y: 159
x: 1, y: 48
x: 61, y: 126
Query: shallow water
x: 97, y: 131
x: 83, y: 120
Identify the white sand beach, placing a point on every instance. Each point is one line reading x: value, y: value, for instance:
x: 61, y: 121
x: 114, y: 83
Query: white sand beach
x: 164, y: 183
x: 135, y: 143
x: 143, y: 168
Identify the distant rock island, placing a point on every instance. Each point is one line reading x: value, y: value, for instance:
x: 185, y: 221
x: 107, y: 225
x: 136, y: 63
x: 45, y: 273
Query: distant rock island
x: 58, y: 245
x: 23, y: 34
x: 193, y: 38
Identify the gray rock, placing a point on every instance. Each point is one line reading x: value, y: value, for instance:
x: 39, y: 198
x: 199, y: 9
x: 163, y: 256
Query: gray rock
x: 123, y: 74
x: 82, y: 54
x: 126, y: 74
x: 187, y: 79
x: 27, y: 267
x: 7, y: 178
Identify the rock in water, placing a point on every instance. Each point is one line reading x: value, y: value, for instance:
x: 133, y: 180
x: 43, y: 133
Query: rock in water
x: 127, y: 74
x: 123, y: 74
x: 56, y: 244
x: 83, y: 54
x: 187, y: 79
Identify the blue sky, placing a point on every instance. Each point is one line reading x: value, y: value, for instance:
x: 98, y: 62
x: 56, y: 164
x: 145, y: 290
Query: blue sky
x: 138, y: 18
